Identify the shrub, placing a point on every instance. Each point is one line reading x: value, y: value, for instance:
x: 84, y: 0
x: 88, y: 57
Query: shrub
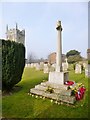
x: 13, y: 62
x: 74, y: 59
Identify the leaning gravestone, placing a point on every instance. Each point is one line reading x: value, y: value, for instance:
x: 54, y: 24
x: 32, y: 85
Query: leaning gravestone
x: 55, y: 88
x: 78, y: 68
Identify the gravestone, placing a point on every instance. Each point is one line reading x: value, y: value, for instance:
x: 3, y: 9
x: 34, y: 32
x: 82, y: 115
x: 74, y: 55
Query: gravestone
x: 37, y: 66
x: 85, y: 65
x: 32, y: 65
x: 87, y: 71
x: 41, y: 65
x: 78, y: 68
x: 54, y: 65
x: 46, y: 68
x: 65, y: 65
x: 28, y: 65
x: 52, y: 68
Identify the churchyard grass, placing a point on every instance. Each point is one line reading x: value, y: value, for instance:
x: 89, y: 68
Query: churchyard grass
x: 21, y: 105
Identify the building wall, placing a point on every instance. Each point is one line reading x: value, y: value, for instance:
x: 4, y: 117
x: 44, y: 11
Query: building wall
x: 52, y: 58
x: 21, y: 36
x: 16, y: 35
x: 11, y: 35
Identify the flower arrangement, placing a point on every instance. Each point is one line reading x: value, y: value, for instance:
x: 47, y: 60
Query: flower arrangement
x: 77, y: 90
x: 79, y: 95
x: 69, y: 83
x: 49, y: 89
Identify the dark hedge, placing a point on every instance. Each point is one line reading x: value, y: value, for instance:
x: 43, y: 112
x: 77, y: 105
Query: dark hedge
x: 13, y: 62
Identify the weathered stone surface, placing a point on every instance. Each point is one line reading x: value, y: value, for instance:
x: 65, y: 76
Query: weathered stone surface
x: 78, y: 68
x: 52, y: 69
x: 46, y: 68
x: 67, y: 99
x: 53, y: 85
x: 59, y: 93
x: 37, y: 66
x: 58, y: 77
x: 63, y: 92
x: 87, y: 71
x: 59, y: 97
x: 37, y: 92
x: 44, y: 94
x: 51, y: 95
x: 64, y: 66
x: 40, y: 87
x: 41, y: 65
x: 60, y: 90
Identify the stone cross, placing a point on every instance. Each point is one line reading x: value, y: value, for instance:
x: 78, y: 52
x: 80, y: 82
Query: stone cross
x: 59, y: 48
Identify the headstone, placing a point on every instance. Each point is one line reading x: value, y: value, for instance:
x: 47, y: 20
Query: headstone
x: 32, y: 65
x: 41, y: 65
x: 28, y: 65
x: 85, y: 65
x: 78, y: 68
x: 46, y: 68
x: 54, y: 65
x: 37, y: 66
x: 87, y: 71
x: 52, y: 68
x: 64, y: 66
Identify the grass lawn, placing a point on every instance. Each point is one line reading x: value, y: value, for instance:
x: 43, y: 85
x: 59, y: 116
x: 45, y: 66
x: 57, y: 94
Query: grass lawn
x: 20, y: 105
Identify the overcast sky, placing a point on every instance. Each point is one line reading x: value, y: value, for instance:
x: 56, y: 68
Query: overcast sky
x: 39, y: 21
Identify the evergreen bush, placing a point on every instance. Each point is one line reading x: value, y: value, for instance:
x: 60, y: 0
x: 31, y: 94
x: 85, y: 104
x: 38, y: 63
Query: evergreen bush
x: 13, y: 62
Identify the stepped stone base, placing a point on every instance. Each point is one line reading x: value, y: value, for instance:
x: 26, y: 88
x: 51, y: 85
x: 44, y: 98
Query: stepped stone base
x: 60, y: 92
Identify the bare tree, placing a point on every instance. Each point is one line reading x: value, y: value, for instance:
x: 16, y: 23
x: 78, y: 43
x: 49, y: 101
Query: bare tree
x: 31, y: 57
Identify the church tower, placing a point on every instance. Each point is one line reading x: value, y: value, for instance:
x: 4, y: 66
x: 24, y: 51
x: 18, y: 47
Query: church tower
x: 15, y: 35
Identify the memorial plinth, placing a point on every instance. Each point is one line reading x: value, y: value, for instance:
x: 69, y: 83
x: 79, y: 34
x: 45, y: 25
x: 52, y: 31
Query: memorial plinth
x: 58, y: 77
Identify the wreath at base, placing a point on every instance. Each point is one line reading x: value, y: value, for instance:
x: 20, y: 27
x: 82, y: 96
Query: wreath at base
x: 78, y: 90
